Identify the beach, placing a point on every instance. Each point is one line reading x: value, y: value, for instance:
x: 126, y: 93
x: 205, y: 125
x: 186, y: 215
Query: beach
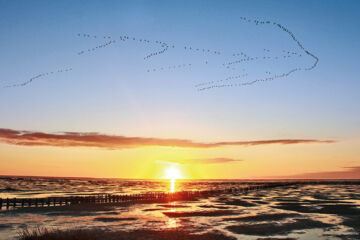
x: 291, y: 212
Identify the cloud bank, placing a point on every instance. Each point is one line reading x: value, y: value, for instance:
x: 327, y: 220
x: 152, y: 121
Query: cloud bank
x: 200, y: 161
x: 89, y: 139
x: 347, y: 173
x: 209, y: 161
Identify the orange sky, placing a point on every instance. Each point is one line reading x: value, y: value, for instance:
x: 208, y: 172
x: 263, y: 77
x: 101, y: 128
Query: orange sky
x: 229, y: 161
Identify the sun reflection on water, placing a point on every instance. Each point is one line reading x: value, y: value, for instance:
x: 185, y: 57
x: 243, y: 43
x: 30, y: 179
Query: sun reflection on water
x: 172, y: 173
x: 172, y: 185
x: 171, y: 223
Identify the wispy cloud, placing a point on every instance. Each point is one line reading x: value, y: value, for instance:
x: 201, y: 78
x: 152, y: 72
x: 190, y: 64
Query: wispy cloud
x: 200, y: 161
x: 210, y: 160
x: 347, y: 173
x: 90, y: 139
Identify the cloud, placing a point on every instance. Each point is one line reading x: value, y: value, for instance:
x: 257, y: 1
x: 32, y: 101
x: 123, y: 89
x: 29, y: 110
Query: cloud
x: 89, y: 139
x: 347, y: 173
x: 209, y: 161
x: 200, y: 161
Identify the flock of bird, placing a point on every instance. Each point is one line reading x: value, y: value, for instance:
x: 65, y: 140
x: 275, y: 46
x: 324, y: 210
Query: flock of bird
x: 251, y: 82
x: 164, y: 46
x: 208, y: 51
x: 221, y: 80
x: 106, y: 44
x: 242, y: 58
x: 170, y: 67
x: 38, y: 76
x: 300, y: 45
x: 273, y: 77
x: 123, y: 38
x: 255, y: 58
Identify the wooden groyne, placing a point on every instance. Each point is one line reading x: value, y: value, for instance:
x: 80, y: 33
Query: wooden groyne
x: 13, y: 203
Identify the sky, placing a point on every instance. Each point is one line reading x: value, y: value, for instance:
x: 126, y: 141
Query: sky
x: 111, y: 115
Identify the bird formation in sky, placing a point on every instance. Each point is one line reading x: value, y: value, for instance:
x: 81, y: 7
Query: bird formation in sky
x: 41, y: 75
x: 170, y: 67
x: 106, y: 44
x: 300, y: 45
x: 164, y: 46
x: 251, y: 59
x: 242, y: 59
x: 221, y: 80
x: 206, y: 51
x: 251, y: 82
x: 288, y: 54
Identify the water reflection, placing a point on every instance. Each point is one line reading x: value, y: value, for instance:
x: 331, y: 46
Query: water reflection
x: 172, y: 185
x: 171, y: 223
x: 190, y: 214
x: 39, y: 187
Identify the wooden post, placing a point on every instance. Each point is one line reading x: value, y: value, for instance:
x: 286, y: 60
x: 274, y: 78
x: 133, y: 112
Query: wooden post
x: 1, y: 202
x: 7, y: 203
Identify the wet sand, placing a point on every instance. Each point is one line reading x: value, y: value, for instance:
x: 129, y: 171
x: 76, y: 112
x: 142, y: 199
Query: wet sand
x: 297, y: 212
x: 121, y: 235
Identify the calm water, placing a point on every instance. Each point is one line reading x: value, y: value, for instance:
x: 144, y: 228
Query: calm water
x: 306, y: 212
x: 35, y: 187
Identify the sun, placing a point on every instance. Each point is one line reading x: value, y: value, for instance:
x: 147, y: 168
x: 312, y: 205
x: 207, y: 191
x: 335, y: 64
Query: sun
x: 172, y: 173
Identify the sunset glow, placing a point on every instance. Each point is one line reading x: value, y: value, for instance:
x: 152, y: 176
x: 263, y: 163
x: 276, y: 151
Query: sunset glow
x: 172, y: 173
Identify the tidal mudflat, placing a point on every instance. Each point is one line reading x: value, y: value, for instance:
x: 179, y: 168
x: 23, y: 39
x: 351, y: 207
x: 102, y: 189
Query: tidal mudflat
x: 294, y: 212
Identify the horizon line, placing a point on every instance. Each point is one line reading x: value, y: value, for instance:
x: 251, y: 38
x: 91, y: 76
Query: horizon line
x: 181, y: 179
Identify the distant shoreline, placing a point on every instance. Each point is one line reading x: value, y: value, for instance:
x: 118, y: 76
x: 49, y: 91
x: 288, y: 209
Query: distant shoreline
x: 186, y: 179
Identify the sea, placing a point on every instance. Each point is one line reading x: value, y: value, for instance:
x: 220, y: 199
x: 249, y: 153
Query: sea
x: 321, y: 211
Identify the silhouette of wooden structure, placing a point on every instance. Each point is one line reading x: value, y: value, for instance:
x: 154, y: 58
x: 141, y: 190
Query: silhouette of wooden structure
x: 13, y: 203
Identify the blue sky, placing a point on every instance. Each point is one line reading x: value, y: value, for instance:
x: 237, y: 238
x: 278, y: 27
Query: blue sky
x: 110, y: 91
